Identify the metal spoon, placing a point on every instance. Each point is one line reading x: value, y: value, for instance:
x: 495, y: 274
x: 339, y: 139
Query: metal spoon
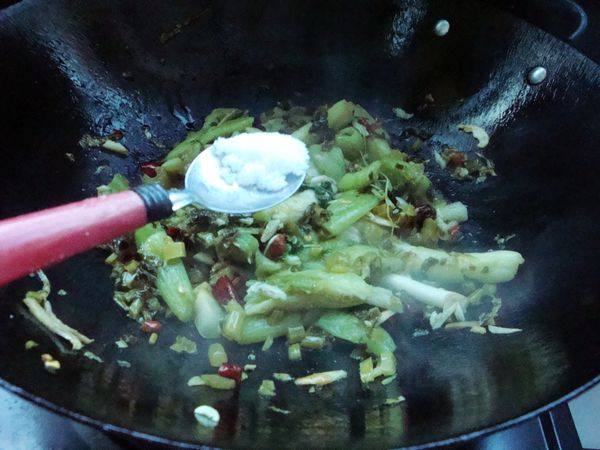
x: 240, y: 201
x: 32, y: 241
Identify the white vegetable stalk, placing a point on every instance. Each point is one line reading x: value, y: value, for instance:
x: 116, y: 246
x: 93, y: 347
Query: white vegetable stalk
x: 422, y: 292
x: 322, y: 378
x: 437, y: 265
x: 208, y: 313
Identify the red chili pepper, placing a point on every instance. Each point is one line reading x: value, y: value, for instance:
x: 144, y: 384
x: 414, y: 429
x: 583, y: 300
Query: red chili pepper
x: 149, y: 169
x: 223, y: 290
x: 116, y: 135
x: 175, y: 233
x: 275, y: 248
x: 151, y: 326
x: 370, y: 126
x: 457, y: 159
x: 232, y: 371
x: 239, y: 287
x: 454, y: 230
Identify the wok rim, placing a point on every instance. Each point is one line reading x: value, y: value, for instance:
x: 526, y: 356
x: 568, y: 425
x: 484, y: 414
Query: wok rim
x: 154, y: 439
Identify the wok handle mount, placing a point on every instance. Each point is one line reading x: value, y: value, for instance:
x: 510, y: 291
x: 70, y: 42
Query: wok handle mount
x: 32, y: 241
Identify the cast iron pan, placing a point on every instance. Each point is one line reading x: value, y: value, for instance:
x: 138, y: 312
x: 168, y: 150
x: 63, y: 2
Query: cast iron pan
x: 69, y: 68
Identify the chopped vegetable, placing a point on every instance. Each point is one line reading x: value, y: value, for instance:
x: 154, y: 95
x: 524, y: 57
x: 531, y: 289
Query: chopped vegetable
x: 296, y: 334
x: 268, y: 343
x: 39, y: 306
x: 267, y: 388
x: 478, y: 133
x: 216, y: 355
x: 313, y: 342
x: 346, y: 209
x: 351, y: 142
x: 285, y: 412
x: 322, y: 378
x: 290, y: 211
x: 388, y: 380
x: 50, y: 364
x: 284, y: 377
x: 92, y: 356
x: 218, y: 382
x: 395, y: 401
x: 502, y: 330
x: 294, y: 352
x: 401, y: 114
x: 315, y: 289
x: 350, y: 328
x: 440, y: 266
x: 422, y: 292
x: 366, y: 371
x: 30, y: 344
x: 196, y: 381
x: 183, y: 345
x: 115, y: 147
x: 329, y: 163
x: 208, y: 313
x: 360, y: 179
x: 340, y: 114
x: 153, y: 339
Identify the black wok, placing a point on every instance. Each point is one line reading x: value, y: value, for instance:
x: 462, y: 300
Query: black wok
x: 70, y: 68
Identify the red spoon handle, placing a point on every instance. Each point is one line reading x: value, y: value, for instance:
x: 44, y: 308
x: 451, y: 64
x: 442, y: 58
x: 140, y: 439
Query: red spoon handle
x: 38, y: 239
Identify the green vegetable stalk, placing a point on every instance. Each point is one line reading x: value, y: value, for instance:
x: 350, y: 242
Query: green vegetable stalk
x: 360, y: 179
x: 172, y: 280
x: 378, y: 148
x: 289, y: 211
x: 340, y: 115
x: 176, y: 290
x: 346, y: 209
x: 405, y: 175
x: 239, y: 247
x: 330, y: 163
x: 118, y: 184
x: 452, y: 267
x: 196, y: 140
x: 351, y: 142
x: 303, y: 133
x: 208, y: 313
x: 350, y: 328
x: 257, y: 329
x: 357, y: 259
x: 310, y: 289
x: 265, y: 266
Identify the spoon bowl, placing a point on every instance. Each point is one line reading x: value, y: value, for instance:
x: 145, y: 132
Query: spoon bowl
x: 202, y: 187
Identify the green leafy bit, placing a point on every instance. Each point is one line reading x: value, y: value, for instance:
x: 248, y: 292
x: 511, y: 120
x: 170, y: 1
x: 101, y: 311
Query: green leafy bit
x: 184, y: 345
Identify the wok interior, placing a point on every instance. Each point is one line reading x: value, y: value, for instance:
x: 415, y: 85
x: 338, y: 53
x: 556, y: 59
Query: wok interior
x: 93, y: 68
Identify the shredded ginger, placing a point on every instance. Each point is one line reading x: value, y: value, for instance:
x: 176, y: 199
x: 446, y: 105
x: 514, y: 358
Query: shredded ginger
x: 39, y: 306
